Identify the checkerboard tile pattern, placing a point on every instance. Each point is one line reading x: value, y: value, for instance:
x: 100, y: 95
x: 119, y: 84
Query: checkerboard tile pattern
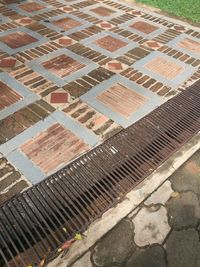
x: 75, y: 72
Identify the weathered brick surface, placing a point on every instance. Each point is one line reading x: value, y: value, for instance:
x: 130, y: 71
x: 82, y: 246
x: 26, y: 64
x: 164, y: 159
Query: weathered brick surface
x: 11, y: 181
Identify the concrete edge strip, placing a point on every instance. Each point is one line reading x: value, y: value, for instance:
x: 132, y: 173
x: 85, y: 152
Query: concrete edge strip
x: 131, y: 201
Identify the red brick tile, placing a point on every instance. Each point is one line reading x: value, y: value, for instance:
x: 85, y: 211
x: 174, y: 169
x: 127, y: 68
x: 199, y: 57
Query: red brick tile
x: 53, y: 148
x: 8, y: 96
x: 62, y: 65
x: 164, y: 67
x: 122, y: 100
x: 25, y: 21
x: 103, y: 11
x: 58, y: 98
x: 31, y: 6
x: 144, y: 27
x: 7, y: 62
x: 64, y: 41
x: 110, y: 43
x: 66, y: 23
x: 17, y: 39
x: 190, y: 45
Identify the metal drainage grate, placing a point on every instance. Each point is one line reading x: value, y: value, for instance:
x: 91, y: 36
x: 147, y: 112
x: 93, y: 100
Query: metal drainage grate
x: 34, y: 222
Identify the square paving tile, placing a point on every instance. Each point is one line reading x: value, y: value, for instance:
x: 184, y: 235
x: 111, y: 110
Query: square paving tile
x: 145, y: 28
x: 187, y: 44
x: 53, y: 147
x: 122, y: 100
x: 170, y: 71
x: 109, y: 44
x: 31, y: 6
x: 102, y: 11
x: 58, y: 98
x: 13, y: 95
x: 8, y: 96
x: 48, y: 145
x: 17, y: 40
x: 62, y: 66
x: 164, y: 67
x: 67, y: 23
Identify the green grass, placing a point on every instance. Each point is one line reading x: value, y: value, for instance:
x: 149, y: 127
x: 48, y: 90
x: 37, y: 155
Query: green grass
x: 188, y: 9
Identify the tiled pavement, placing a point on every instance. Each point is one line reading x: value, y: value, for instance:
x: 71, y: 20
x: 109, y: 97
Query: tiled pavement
x: 73, y: 73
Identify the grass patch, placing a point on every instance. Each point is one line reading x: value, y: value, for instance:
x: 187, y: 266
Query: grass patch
x: 188, y: 9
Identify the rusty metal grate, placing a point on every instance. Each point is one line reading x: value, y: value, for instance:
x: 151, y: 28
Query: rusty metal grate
x: 32, y: 223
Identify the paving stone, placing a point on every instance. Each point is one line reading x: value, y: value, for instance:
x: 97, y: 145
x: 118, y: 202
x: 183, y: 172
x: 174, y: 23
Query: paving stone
x: 187, y: 177
x: 161, y: 195
x: 115, y: 246
x: 183, y: 249
x: 148, y: 231
x: 62, y: 65
x: 23, y: 119
x: 118, y: 95
x: 144, y: 27
x: 103, y: 11
x: 8, y: 96
x: 18, y: 39
x: 66, y: 23
x: 164, y: 67
x: 110, y: 43
x: 92, y: 119
x: 53, y: 148
x: 12, y: 182
x: 183, y: 210
x: 83, y: 261
x: 191, y: 45
x: 151, y: 257
x: 31, y: 7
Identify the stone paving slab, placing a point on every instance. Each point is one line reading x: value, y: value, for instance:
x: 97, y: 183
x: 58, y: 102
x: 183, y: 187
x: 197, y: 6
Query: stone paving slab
x: 162, y: 232
x: 82, y: 70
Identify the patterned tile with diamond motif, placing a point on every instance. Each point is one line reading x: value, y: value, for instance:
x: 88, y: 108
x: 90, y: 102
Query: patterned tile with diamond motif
x: 115, y: 66
x: 153, y: 44
x: 58, y: 98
